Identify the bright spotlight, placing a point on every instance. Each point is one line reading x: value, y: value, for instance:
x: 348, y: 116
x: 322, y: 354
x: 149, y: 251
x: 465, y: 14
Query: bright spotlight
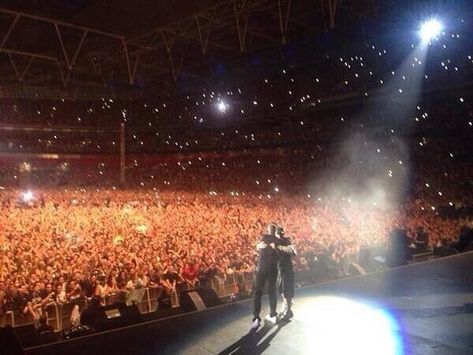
x: 430, y: 30
x: 367, y: 329
x: 222, y: 106
x: 27, y: 196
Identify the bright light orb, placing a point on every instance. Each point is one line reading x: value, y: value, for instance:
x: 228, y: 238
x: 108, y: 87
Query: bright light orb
x: 430, y: 30
x: 340, y: 326
x: 222, y: 106
x: 27, y: 196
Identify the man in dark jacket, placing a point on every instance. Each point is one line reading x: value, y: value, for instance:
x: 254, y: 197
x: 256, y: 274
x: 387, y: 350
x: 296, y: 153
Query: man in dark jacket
x: 266, y: 271
x: 286, y: 272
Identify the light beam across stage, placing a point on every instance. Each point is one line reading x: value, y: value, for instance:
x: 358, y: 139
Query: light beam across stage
x: 344, y: 326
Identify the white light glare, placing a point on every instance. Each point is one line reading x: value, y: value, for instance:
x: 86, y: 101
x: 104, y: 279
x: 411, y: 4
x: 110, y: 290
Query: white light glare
x: 27, y: 196
x: 222, y: 106
x: 430, y: 29
x: 367, y: 330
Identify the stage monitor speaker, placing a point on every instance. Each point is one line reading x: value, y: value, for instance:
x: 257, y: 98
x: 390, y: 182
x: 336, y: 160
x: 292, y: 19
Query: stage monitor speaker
x: 465, y: 240
x: 9, y: 341
x: 445, y: 250
x: 24, y: 336
x: 198, y: 299
x: 371, y: 259
x: 398, y: 250
x: 164, y: 302
x: 117, y: 315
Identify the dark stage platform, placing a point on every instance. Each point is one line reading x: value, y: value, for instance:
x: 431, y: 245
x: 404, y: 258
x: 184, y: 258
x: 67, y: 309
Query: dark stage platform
x: 425, y: 308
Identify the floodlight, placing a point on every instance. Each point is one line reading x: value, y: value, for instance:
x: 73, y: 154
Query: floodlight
x: 27, y: 196
x: 430, y: 29
x: 222, y: 106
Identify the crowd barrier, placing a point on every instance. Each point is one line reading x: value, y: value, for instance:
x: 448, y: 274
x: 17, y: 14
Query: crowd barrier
x: 59, y: 315
x: 148, y: 299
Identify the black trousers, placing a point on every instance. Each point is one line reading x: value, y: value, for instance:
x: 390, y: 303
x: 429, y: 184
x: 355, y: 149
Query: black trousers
x: 286, y: 282
x: 260, y: 279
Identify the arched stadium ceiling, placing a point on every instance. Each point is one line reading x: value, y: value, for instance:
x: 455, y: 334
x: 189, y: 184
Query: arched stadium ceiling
x: 125, y: 17
x: 50, y: 47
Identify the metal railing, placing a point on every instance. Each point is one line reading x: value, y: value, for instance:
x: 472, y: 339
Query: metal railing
x: 148, y: 299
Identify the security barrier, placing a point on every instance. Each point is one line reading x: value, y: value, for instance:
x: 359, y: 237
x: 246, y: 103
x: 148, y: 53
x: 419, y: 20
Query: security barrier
x: 147, y: 299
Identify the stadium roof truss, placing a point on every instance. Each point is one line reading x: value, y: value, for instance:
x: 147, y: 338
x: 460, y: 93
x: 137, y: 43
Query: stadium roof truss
x: 44, y: 56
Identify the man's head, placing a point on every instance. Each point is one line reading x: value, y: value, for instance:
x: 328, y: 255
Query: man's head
x: 37, y: 286
x: 279, y: 232
x: 272, y: 228
x: 24, y: 289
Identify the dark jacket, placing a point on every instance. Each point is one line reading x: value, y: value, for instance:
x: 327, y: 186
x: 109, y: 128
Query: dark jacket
x: 268, y: 257
x: 285, y: 259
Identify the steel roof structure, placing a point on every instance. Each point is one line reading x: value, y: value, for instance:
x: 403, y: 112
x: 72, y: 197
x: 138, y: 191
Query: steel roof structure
x: 92, y: 48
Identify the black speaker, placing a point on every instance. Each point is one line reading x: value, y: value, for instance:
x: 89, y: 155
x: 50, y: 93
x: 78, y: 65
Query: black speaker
x: 9, y: 342
x: 198, y: 299
x: 372, y: 258
x: 398, y: 250
x: 117, y: 315
x: 465, y: 240
x: 445, y: 250
x: 164, y: 302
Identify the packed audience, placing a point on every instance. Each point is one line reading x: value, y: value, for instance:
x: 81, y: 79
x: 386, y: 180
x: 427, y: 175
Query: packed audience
x: 338, y: 179
x: 74, y: 242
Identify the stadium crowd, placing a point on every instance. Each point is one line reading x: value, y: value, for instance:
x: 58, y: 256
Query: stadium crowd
x: 78, y: 242
x: 188, y: 218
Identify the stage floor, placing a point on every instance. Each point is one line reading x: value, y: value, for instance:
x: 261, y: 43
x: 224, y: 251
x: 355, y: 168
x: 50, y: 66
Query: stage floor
x: 424, y: 309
